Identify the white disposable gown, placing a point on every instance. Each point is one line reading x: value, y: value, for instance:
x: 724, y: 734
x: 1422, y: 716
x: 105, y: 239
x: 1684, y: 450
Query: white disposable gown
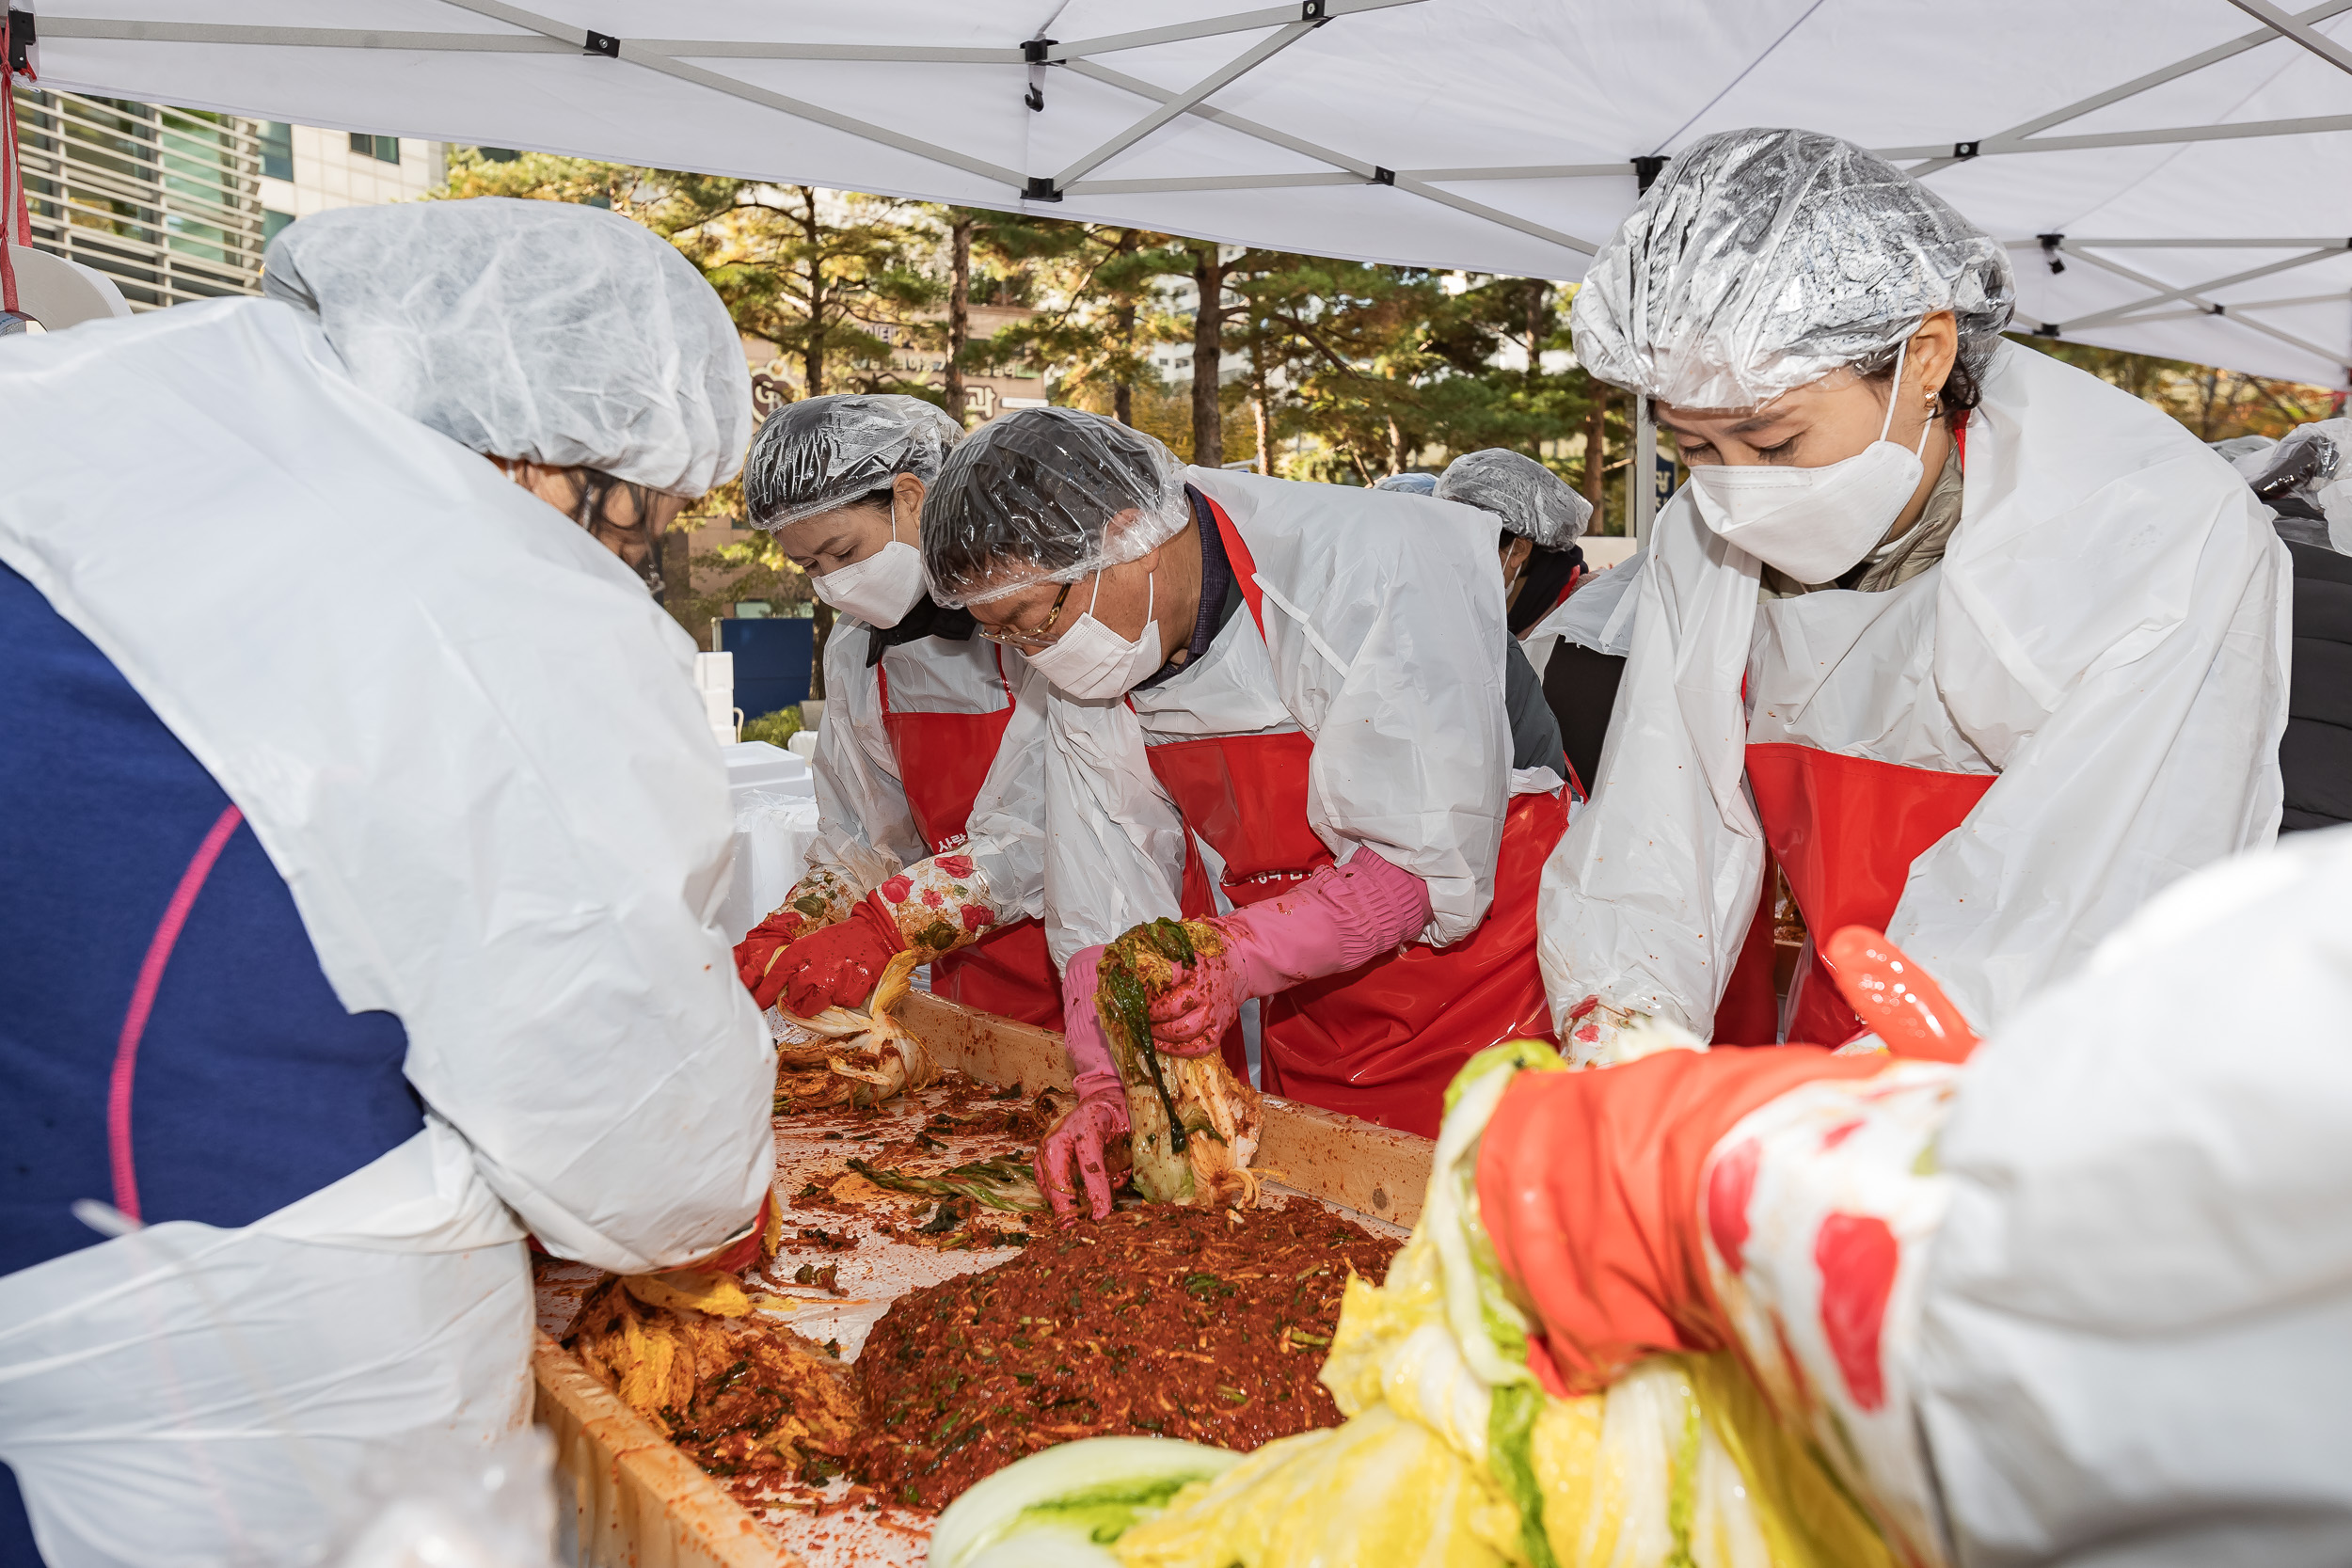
x: 469, y: 742
x: 866, y: 830
x: 1384, y: 640
x: 2107, y: 632
x: 2133, y: 1341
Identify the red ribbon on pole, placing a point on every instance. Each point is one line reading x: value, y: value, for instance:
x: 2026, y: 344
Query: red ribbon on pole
x: 16, y: 220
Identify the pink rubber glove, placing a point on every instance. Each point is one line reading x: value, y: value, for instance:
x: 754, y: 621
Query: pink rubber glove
x: 1071, y: 1153
x: 1340, y: 917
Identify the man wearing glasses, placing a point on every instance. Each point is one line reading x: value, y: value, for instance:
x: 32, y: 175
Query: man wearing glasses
x: 1283, y: 701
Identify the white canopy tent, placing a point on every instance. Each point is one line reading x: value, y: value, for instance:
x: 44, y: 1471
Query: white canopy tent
x: 2176, y: 176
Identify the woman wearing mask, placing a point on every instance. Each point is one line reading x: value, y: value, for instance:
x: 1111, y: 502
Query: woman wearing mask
x: 362, y: 832
x: 1983, y: 651
x: 1288, y: 695
x: 929, y: 766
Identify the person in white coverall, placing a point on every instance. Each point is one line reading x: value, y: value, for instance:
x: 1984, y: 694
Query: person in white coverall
x: 2079, y: 1293
x: 367, y: 847
x: 1282, y: 699
x: 1981, y: 650
x: 929, y: 767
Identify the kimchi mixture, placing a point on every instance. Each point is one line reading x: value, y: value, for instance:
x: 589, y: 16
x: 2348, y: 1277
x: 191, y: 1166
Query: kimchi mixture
x: 1161, y: 1321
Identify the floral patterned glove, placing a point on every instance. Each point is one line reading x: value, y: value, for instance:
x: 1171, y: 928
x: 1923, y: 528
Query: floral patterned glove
x: 820, y: 899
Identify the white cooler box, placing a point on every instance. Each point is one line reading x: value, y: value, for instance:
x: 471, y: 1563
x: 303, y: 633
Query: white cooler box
x: 774, y: 796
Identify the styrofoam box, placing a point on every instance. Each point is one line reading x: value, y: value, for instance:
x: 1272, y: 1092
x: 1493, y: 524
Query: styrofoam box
x: 753, y: 767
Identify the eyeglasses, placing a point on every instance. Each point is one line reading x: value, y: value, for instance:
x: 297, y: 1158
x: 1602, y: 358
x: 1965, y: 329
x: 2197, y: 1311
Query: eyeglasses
x: 1037, y: 638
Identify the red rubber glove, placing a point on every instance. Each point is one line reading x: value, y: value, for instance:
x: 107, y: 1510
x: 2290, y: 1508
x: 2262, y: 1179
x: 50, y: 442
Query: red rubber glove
x: 1340, y: 917
x: 837, y: 966
x: 1588, y: 1184
x: 756, y: 954
x: 1070, y: 1154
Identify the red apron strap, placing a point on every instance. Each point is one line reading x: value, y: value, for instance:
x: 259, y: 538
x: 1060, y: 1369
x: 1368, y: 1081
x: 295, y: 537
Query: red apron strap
x: 1244, y: 564
x: 159, y: 946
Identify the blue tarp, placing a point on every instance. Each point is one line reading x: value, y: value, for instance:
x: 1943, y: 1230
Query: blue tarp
x: 771, y: 662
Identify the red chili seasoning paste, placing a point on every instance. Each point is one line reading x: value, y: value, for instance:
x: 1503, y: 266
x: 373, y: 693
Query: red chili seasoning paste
x: 1204, y: 1324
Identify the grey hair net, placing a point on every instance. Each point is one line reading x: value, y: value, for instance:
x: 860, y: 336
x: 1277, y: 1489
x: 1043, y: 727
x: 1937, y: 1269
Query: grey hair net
x: 536, y: 330
x: 1046, y: 495
x: 1533, y: 502
x: 1410, y: 484
x: 823, y: 453
x: 1762, y: 261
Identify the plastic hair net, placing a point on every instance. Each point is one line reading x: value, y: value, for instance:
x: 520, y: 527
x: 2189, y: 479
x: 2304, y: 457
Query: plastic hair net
x: 1762, y: 261
x: 1410, y: 484
x: 537, y: 330
x: 1046, y: 495
x: 813, y: 456
x: 1533, y: 502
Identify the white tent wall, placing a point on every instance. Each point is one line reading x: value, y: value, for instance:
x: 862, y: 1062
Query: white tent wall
x: 2191, y: 158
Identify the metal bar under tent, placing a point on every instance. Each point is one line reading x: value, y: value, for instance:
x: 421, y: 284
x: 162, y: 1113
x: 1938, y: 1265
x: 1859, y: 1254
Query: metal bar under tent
x: 2193, y: 290
x: 2299, y: 31
x: 1225, y: 76
x: 2207, y: 308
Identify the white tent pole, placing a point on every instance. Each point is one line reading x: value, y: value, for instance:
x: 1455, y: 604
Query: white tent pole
x: 2235, y: 131
x: 2299, y: 242
x: 113, y: 31
x: 2195, y: 289
x: 1537, y: 171
x: 637, y: 53
x: 1241, y: 22
x: 2336, y: 357
x: 1095, y: 71
x: 1372, y: 173
x: 2240, y: 307
x: 1640, y: 485
x: 2310, y: 38
x: 1211, y: 183
x: 560, y: 42
x: 1169, y: 108
x: 2133, y: 88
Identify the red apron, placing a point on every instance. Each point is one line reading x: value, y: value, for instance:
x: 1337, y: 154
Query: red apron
x: 1844, y: 830
x: 1383, y: 1040
x: 944, y: 758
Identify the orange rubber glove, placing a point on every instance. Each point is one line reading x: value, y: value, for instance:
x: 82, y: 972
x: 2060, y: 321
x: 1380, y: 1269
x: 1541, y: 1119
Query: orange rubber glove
x: 1588, y: 1186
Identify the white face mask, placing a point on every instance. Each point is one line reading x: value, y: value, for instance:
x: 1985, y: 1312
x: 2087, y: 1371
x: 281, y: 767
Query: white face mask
x: 1814, y: 523
x: 881, y: 589
x: 1090, y: 660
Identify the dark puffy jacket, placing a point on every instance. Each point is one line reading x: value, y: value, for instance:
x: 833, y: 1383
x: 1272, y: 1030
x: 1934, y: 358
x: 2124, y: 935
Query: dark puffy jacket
x: 2315, y: 753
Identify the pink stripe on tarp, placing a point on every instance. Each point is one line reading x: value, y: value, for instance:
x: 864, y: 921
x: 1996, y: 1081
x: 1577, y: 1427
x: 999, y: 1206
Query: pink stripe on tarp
x: 143, y: 1001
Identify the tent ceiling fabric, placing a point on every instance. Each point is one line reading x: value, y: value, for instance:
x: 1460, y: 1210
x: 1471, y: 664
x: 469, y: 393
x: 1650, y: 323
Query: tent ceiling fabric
x: 2191, y: 153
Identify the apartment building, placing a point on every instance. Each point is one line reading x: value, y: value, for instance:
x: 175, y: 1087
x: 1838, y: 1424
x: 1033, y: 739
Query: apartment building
x: 177, y: 204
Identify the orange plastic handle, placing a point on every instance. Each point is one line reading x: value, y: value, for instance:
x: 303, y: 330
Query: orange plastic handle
x: 1895, y: 998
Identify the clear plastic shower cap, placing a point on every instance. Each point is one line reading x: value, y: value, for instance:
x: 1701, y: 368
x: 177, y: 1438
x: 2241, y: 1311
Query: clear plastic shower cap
x: 1762, y: 261
x: 1046, y: 495
x: 824, y: 453
x: 538, y: 330
x: 1533, y: 502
